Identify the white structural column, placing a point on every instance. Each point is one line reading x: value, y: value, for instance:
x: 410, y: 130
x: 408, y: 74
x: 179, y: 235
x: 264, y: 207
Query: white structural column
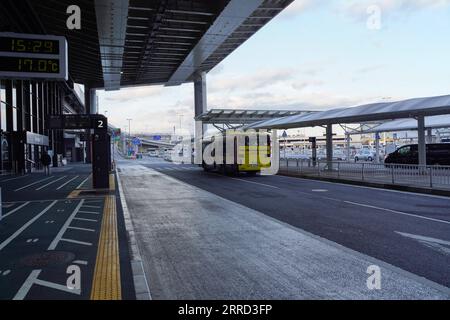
x: 329, y: 135
x: 93, y: 101
x: 200, y: 93
x: 422, y: 142
x: 377, y: 147
x: 429, y: 135
x: 348, y: 140
x: 201, y: 106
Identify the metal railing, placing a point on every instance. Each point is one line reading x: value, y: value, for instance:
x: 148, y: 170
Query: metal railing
x: 435, y: 177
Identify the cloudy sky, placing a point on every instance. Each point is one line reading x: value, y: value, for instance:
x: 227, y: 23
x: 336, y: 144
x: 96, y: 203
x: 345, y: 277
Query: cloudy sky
x: 318, y: 54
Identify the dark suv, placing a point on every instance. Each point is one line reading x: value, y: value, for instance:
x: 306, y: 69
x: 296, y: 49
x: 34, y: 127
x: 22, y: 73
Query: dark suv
x: 437, y: 154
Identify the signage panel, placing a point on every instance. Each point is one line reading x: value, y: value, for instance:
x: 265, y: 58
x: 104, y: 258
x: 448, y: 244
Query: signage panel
x: 32, y: 56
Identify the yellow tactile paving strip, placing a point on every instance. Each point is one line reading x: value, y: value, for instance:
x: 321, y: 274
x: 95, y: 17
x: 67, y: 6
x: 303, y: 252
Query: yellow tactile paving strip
x: 106, y: 282
x: 112, y: 182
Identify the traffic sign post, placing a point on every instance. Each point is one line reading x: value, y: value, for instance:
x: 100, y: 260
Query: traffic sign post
x: 100, y: 144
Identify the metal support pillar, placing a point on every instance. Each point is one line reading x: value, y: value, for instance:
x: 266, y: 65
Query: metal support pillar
x: 377, y: 147
x: 348, y: 142
x: 201, y: 106
x: 329, y: 136
x: 429, y: 135
x: 421, y: 140
x: 90, y: 102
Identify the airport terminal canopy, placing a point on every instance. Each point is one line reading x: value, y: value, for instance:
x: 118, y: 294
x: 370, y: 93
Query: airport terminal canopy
x: 237, y: 116
x: 433, y: 122
x: 125, y: 43
x: 371, y: 112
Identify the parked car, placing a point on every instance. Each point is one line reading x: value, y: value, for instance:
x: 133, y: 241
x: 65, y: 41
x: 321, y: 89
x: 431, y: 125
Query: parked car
x: 437, y: 154
x: 365, y: 155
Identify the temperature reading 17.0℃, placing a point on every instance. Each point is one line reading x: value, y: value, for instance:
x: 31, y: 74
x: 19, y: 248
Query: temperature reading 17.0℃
x: 29, y: 56
x: 15, y: 64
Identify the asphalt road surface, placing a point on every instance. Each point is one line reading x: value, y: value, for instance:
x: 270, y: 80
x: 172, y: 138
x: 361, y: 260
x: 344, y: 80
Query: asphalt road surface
x: 410, y: 231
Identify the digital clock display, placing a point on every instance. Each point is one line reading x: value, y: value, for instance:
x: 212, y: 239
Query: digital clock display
x: 10, y: 44
x: 34, y: 65
x: 33, y: 56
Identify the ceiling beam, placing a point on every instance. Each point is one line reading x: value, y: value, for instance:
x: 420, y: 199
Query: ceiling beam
x: 231, y: 18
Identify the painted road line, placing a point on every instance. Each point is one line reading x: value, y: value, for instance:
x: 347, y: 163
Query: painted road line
x: 81, y: 262
x: 83, y: 219
x: 26, y: 286
x: 93, y: 207
x: 81, y: 229
x: 260, y: 184
x: 83, y: 182
x: 76, y: 242
x: 396, y: 212
x: 26, y: 225
x: 17, y: 178
x: 33, y: 279
x: 106, y: 284
x: 32, y: 184
x: 66, y: 183
x: 50, y: 183
x: 89, y: 212
x: 15, y: 210
x: 64, y: 227
x: 57, y: 286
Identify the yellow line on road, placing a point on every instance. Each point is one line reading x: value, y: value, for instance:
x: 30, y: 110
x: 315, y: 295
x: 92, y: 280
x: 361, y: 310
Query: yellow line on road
x: 112, y: 182
x: 106, y: 284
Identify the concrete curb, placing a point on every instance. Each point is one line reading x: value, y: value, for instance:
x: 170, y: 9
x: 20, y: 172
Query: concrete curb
x: 141, y: 287
x: 435, y: 192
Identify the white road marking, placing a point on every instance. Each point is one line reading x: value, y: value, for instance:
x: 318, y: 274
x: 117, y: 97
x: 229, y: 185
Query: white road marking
x: 26, y: 225
x: 81, y: 229
x: 365, y: 187
x: 83, y: 182
x: 261, y: 184
x: 425, y: 239
x: 26, y: 286
x: 50, y: 183
x: 21, y: 177
x: 395, y: 211
x: 15, y: 210
x: 65, y: 226
x: 66, y: 183
x: 76, y: 242
x: 89, y: 212
x: 32, y: 184
x: 94, y: 207
x: 57, y: 286
x: 33, y: 279
x: 319, y: 190
x: 83, y: 219
x: 82, y: 262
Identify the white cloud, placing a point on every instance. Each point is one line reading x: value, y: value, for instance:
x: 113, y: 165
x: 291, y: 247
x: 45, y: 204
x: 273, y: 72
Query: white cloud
x: 257, y: 80
x: 133, y: 94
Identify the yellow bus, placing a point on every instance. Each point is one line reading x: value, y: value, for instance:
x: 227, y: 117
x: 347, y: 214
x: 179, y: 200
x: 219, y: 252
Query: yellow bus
x: 249, y: 154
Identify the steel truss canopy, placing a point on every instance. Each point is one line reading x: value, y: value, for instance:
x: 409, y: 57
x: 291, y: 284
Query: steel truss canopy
x: 410, y: 108
x: 143, y: 42
x: 433, y: 122
x: 235, y: 116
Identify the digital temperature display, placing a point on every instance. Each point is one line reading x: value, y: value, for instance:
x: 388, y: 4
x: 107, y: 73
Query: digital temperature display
x: 15, y: 64
x: 33, y: 56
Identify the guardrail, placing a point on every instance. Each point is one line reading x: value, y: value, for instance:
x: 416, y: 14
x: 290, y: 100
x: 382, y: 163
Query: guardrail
x: 435, y: 177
